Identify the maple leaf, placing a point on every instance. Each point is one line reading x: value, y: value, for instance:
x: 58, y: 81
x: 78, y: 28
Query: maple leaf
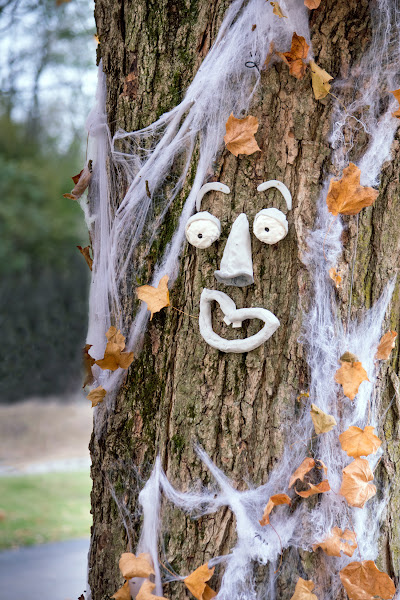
x: 364, y: 581
x: 396, y: 94
x: 355, y: 485
x: 239, y: 138
x: 136, y: 566
x: 350, y: 375
x: 322, y: 422
x: 320, y: 79
x: 337, y: 542
x: 303, y: 590
x: 357, y: 442
x: 312, y: 4
x: 145, y: 592
x: 302, y: 470
x: 114, y: 358
x: 320, y: 488
x: 275, y: 500
x: 156, y: 298
x: 86, y: 255
x: 123, y: 593
x: 386, y: 345
x: 88, y: 362
x: 295, y: 58
x: 334, y: 274
x: 277, y: 10
x: 81, y: 182
x: 347, y: 196
x: 97, y: 395
x: 196, y: 583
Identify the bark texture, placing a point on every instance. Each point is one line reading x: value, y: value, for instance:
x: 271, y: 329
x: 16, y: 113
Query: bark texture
x: 179, y: 389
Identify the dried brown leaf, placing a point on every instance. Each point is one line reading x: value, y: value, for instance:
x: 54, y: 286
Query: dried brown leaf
x: 338, y: 541
x: 357, y: 442
x: 320, y: 80
x: 320, y: 488
x: 145, y: 592
x: 302, y: 470
x: 295, y: 58
x: 196, y: 583
x: 303, y: 590
x: 113, y: 357
x: 115, y: 336
x: 239, y: 138
x: 355, y: 485
x: 88, y: 362
x: 123, y: 593
x: 86, y: 255
x: 156, y: 298
x: 350, y: 375
x: 346, y: 196
x: 322, y: 422
x: 386, y: 345
x: 275, y: 500
x: 271, y: 52
x: 364, y: 581
x: 277, y: 10
x: 349, y: 357
x: 396, y: 94
x: 312, y: 4
x: 97, y: 395
x: 81, y: 181
x: 334, y: 274
x: 136, y: 566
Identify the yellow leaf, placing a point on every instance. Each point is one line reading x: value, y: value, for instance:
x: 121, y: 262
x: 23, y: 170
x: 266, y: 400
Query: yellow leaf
x: 155, y: 298
x: 334, y: 274
x: 277, y: 10
x: 302, y: 470
x: 303, y: 590
x: 396, y: 94
x: 295, y: 58
x: 322, y: 422
x: 135, y: 566
x: 320, y: 79
x: 113, y: 357
x: 339, y: 541
x: 145, y: 592
x: 347, y: 196
x: 312, y: 4
x: 386, y: 345
x: 364, y: 581
x: 320, y: 488
x: 115, y: 336
x: 275, y: 500
x: 357, y: 442
x: 196, y: 583
x: 239, y: 138
x: 86, y: 255
x: 355, y: 485
x: 350, y: 375
x: 302, y: 395
x: 97, y: 395
x: 123, y: 593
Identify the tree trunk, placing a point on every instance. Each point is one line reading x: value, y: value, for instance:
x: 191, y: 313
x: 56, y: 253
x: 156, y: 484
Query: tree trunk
x: 179, y: 390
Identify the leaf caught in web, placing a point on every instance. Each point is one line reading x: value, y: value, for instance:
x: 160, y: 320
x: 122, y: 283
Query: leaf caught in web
x: 346, y: 196
x: 88, y: 362
x: 355, y: 485
x: 123, y: 593
x: 136, y: 566
x: 295, y: 58
x: 322, y: 422
x: 303, y: 590
x: 320, y: 80
x: 302, y: 470
x: 320, y: 488
x: 364, y: 581
x: 239, y: 138
x: 396, y: 94
x: 386, y: 345
x: 114, y: 358
x: 81, y: 182
x: 86, y: 255
x: 334, y: 274
x: 196, y: 583
x: 350, y: 375
x: 275, y: 500
x: 357, y: 442
x: 156, y: 298
x: 337, y: 542
x: 145, y: 592
x: 277, y: 10
x: 312, y: 4
x: 97, y: 395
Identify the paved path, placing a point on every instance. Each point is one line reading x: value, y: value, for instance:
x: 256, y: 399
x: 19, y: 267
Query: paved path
x: 54, y: 571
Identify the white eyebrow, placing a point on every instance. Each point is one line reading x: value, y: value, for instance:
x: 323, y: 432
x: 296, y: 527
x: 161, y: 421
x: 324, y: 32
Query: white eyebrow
x: 214, y: 185
x: 274, y: 183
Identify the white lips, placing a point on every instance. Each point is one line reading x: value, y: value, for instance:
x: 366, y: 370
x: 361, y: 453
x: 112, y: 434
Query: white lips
x: 234, y: 317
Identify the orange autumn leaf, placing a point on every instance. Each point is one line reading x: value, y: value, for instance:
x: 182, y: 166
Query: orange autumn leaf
x: 355, y: 485
x: 350, y: 375
x: 303, y: 590
x: 123, y: 593
x: 346, y: 196
x: 386, y: 345
x: 196, y: 583
x: 364, y: 581
x: 357, y: 442
x: 86, y: 255
x: 337, y: 542
x: 239, y: 138
x: 334, y: 274
x: 275, y: 500
x: 312, y: 4
x: 295, y: 58
x: 302, y: 470
x: 88, y: 362
x: 114, y: 358
x: 320, y: 488
x: 96, y: 396
x: 135, y: 566
x: 81, y: 182
x: 396, y: 94
x: 145, y: 592
x: 277, y: 10
x: 156, y: 298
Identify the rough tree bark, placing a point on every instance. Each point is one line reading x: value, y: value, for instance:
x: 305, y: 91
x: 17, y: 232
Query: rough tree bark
x: 180, y: 389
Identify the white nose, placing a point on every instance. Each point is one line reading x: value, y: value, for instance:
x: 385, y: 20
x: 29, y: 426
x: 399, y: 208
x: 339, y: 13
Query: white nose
x: 237, y: 265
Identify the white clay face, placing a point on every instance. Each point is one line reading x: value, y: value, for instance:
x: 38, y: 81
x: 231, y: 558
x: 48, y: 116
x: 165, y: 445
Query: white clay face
x: 270, y: 225
x: 202, y: 230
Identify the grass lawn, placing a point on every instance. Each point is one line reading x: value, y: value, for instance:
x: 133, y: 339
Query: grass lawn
x: 44, y: 508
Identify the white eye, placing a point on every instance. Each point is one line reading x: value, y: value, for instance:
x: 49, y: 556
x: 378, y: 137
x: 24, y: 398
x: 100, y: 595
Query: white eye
x: 270, y: 225
x: 202, y: 230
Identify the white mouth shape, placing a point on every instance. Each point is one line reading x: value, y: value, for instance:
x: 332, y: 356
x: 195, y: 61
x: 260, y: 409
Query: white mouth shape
x: 234, y: 317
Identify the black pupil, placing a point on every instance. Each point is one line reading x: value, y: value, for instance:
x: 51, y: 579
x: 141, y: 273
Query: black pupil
x: 267, y: 229
x: 200, y: 235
